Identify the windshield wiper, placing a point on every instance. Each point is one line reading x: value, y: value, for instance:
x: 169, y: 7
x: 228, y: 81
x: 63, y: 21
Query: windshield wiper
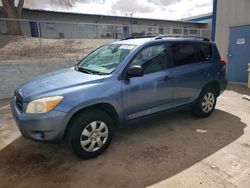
x: 97, y: 72
x: 83, y: 70
x: 88, y: 71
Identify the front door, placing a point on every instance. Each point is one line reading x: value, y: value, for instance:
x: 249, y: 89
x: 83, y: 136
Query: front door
x: 239, y: 54
x: 152, y: 92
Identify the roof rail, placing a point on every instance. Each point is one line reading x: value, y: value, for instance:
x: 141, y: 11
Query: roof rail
x: 156, y: 37
x: 138, y: 37
x: 181, y: 36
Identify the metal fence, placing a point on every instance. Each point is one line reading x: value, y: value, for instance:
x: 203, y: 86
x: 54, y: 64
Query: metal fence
x: 32, y: 39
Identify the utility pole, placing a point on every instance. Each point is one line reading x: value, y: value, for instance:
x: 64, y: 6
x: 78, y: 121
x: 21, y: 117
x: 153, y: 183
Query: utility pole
x: 131, y: 21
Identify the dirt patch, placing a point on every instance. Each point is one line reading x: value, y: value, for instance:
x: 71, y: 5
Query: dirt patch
x: 151, y: 153
x: 22, y: 48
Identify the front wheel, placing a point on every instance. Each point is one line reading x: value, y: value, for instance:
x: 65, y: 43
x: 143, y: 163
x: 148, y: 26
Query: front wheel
x: 206, y: 103
x: 90, y: 133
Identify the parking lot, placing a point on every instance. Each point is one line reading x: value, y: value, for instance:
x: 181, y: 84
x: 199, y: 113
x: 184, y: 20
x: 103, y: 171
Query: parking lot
x: 174, y: 150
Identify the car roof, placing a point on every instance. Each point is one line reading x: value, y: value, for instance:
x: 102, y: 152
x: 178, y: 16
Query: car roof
x: 136, y: 41
x: 144, y: 40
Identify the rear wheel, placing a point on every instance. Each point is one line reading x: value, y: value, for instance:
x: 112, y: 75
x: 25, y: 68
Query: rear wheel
x: 206, y: 103
x: 90, y: 133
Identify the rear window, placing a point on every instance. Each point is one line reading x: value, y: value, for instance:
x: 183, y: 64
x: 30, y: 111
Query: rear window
x: 183, y: 54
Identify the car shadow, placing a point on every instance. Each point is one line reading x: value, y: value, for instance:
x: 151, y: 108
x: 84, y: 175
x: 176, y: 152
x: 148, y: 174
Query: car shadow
x: 141, y: 154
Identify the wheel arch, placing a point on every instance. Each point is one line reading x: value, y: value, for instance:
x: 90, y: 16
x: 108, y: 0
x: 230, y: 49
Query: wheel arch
x: 105, y: 107
x: 213, y: 84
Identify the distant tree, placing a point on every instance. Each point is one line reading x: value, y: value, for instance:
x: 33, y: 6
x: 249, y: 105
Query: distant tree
x: 13, y: 10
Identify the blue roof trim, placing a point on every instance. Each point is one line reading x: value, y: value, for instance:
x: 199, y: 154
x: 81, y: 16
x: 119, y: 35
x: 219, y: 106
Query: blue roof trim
x: 201, y: 18
x: 214, y: 20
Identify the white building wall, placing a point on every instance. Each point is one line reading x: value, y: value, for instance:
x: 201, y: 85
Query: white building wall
x: 230, y: 13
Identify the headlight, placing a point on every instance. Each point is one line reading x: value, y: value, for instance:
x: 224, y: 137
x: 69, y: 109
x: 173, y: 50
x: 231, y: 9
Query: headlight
x: 43, y: 105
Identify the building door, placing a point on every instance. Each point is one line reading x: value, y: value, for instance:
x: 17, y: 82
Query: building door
x: 239, y: 53
x: 161, y: 30
x: 125, y: 31
x: 33, y: 29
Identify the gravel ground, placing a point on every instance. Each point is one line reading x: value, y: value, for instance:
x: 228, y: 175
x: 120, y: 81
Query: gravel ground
x: 174, y: 150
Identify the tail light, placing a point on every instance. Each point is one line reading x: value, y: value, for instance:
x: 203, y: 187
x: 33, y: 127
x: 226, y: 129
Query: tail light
x: 223, y: 62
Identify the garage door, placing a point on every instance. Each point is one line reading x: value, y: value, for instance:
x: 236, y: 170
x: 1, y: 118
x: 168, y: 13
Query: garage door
x: 239, y: 53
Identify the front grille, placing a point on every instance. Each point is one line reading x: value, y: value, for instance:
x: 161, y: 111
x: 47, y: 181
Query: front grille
x: 19, y: 102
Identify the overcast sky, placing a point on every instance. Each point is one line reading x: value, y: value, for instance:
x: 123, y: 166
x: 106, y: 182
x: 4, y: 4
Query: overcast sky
x: 160, y: 9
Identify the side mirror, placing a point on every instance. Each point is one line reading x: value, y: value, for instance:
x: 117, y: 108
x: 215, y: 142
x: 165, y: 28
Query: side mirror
x: 135, y: 71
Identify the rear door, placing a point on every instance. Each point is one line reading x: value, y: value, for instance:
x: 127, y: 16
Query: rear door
x: 190, y: 70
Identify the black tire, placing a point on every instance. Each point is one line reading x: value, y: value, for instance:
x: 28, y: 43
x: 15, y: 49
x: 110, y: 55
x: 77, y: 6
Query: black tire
x: 80, y: 123
x: 198, y: 109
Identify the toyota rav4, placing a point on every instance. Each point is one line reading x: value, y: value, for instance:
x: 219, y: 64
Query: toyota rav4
x: 116, y: 83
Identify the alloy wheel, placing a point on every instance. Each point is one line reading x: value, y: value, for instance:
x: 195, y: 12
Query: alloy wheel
x: 208, y: 102
x: 94, y: 136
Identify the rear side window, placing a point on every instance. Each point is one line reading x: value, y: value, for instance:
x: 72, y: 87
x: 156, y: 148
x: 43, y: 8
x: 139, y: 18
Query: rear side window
x: 183, y: 54
x: 204, y: 52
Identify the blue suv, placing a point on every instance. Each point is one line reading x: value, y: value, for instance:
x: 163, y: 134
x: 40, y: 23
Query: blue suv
x: 116, y: 83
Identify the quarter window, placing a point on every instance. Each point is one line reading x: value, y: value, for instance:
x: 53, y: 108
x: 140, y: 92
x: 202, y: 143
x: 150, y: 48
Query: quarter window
x: 205, y: 52
x: 152, y: 59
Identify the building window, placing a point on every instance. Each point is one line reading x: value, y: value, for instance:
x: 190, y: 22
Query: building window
x: 167, y: 30
x: 50, y: 26
x: 185, y: 31
x: 107, y: 31
x: 87, y: 28
x: 193, y: 32
x: 177, y: 31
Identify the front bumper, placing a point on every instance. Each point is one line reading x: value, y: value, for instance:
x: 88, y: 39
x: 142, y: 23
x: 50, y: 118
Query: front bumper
x: 41, y: 127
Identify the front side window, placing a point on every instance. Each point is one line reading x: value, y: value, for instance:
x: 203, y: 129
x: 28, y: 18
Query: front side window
x: 152, y: 59
x: 105, y: 59
x: 183, y: 54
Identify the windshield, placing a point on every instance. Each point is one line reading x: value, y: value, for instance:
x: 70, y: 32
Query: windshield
x: 105, y: 59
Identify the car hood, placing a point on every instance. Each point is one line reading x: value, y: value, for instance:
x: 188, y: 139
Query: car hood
x: 54, y: 81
